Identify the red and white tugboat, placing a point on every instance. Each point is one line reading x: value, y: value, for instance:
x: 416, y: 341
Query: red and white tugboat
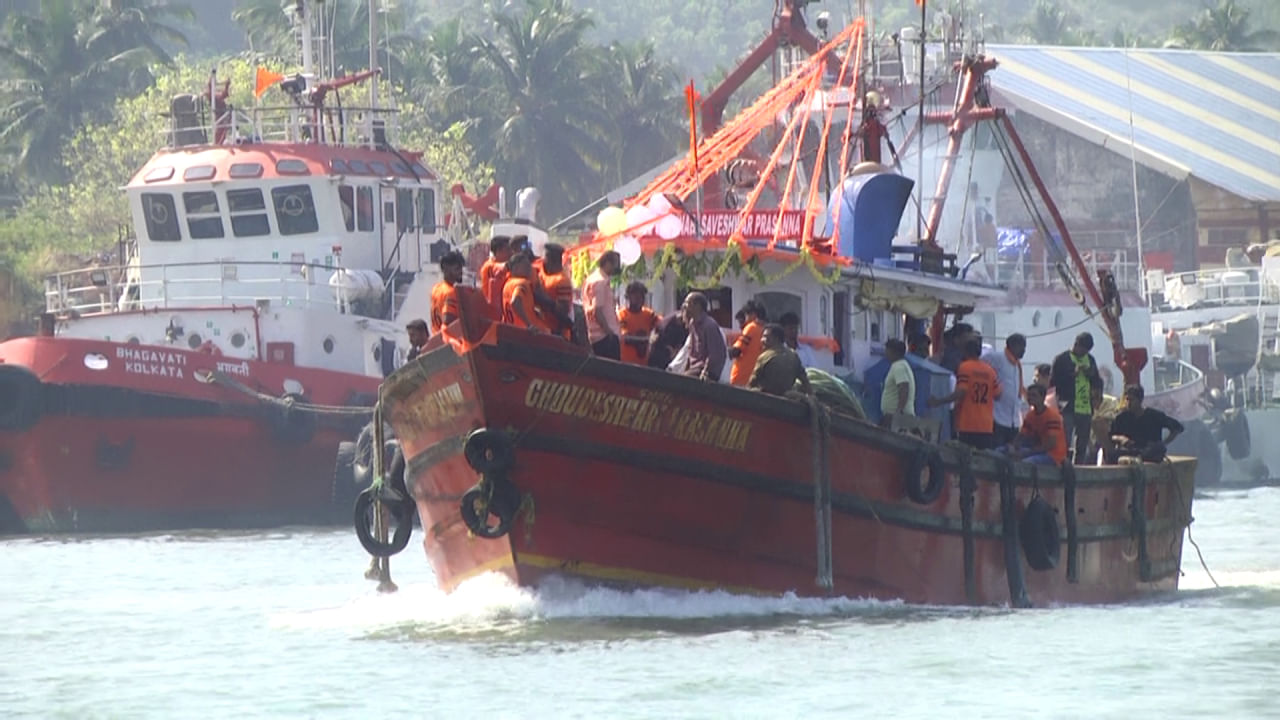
x: 207, y: 379
x: 529, y: 457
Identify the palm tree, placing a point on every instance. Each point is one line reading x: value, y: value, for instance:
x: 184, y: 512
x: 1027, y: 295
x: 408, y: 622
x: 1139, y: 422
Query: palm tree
x: 1224, y: 27
x: 550, y: 126
x: 1050, y: 24
x: 68, y: 66
x: 445, y: 75
x: 642, y: 94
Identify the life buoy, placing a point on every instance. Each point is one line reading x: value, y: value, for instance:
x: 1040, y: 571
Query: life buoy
x: 920, y: 491
x: 292, y: 426
x: 400, y: 510
x: 21, y: 398
x: 498, y: 499
x: 1041, y: 541
x: 488, y: 451
x: 1236, y: 435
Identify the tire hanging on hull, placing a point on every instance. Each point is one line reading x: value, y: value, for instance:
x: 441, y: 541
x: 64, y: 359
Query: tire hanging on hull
x: 21, y: 398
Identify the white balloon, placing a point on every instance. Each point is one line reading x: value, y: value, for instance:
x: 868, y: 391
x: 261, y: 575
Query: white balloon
x: 670, y: 227
x: 640, y: 220
x: 659, y: 205
x: 628, y: 249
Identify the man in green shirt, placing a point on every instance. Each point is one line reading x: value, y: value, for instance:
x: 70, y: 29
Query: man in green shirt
x: 1075, y: 373
x: 899, y: 394
x: 778, y: 368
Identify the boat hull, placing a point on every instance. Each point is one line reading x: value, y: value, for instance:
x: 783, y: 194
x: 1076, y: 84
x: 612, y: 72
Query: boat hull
x: 635, y: 477
x: 143, y: 441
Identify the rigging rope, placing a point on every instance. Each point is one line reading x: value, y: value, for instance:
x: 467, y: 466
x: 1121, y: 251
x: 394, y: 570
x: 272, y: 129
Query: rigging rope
x: 221, y: 378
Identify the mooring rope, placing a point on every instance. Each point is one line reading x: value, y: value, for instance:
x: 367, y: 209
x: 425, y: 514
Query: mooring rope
x: 221, y: 378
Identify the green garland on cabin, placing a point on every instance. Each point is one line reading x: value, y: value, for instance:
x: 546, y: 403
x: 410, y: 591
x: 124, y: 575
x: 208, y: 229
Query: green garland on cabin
x: 707, y: 269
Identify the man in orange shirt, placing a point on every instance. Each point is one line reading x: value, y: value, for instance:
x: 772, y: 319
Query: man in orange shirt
x: 1042, y: 440
x: 444, y: 296
x: 559, y: 289
x: 636, y: 322
x: 493, y: 272
x: 517, y: 294
x: 976, y: 391
x: 747, y: 348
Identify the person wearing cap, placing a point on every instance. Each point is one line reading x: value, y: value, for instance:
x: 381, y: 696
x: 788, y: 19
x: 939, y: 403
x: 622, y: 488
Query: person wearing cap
x: 418, y: 336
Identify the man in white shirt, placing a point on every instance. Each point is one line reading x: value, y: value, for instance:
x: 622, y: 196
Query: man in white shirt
x: 1009, y: 407
x: 603, y: 330
x: 899, y: 394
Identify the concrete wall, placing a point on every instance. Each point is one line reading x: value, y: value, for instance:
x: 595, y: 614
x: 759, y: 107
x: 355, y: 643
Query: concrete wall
x: 1093, y: 188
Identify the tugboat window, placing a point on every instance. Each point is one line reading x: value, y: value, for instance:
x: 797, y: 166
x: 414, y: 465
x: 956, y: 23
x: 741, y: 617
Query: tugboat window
x: 246, y: 170
x: 203, y: 220
x: 295, y: 210
x: 158, y: 174
x: 358, y: 167
x: 364, y: 209
x: 248, y: 216
x: 379, y: 168
x: 404, y: 210
x: 427, y: 211
x: 347, y: 200
x: 162, y: 219
x: 292, y: 166
x: 199, y: 172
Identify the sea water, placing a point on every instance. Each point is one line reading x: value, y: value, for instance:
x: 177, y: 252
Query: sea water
x: 283, y: 624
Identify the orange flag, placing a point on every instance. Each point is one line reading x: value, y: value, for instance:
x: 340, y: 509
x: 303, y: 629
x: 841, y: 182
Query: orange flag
x: 691, y: 97
x: 266, y: 79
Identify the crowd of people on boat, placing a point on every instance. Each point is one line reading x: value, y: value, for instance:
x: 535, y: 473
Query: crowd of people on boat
x: 537, y: 294
x: 992, y: 407
x: 1062, y: 412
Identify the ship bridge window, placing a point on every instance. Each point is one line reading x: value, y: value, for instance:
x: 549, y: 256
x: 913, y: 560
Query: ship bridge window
x: 339, y: 165
x: 198, y: 172
x: 422, y: 171
x: 246, y: 170
x: 778, y: 303
x: 248, y: 213
x: 400, y: 168
x: 295, y: 210
x: 292, y: 166
x: 203, y: 220
x: 378, y: 168
x: 404, y: 210
x: 158, y: 174
x: 357, y: 207
x: 162, y: 219
x: 358, y: 167
x: 427, y: 210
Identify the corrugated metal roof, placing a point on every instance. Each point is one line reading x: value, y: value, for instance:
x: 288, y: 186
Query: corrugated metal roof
x: 1212, y: 115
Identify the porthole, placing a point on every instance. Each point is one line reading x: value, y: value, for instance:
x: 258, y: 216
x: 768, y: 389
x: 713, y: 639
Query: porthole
x: 1035, y: 319
x: 96, y: 361
x: 133, y: 340
x: 1057, y: 319
x: 194, y: 341
x: 377, y: 353
x: 237, y: 339
x: 328, y: 345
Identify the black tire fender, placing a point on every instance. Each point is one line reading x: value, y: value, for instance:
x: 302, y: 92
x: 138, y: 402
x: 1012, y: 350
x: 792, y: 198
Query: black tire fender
x: 503, y: 502
x: 1041, y: 539
x: 488, y: 451
x: 21, y: 398
x: 401, y: 511
x: 292, y: 426
x: 921, y: 492
x: 1239, y: 443
x: 344, y: 475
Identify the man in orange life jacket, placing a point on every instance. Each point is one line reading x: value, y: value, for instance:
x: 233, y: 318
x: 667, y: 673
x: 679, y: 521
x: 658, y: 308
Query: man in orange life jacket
x: 444, y: 296
x: 558, y: 287
x: 517, y: 294
x: 493, y: 271
x: 637, y: 322
x: 976, y: 391
x: 747, y: 348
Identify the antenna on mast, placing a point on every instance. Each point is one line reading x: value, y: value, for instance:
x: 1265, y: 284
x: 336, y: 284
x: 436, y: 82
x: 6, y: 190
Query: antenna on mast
x: 1133, y: 162
x: 304, y: 20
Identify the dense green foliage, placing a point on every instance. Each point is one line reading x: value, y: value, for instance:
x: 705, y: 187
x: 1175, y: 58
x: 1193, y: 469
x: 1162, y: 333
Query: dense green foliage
x: 574, y: 96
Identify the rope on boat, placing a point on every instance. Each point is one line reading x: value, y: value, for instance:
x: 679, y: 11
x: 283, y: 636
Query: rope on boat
x: 968, y: 486
x: 380, y: 567
x: 286, y: 403
x: 1177, y: 488
x: 1068, y: 474
x: 821, y: 492
x: 1009, y: 530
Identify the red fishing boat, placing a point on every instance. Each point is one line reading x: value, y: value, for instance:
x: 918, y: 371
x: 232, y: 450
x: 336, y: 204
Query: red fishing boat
x: 206, y: 375
x: 527, y: 456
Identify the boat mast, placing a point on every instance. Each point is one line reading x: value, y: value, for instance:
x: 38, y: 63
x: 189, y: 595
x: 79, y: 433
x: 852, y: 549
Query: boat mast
x: 920, y: 226
x: 1133, y: 162
x: 373, y: 57
x: 304, y: 19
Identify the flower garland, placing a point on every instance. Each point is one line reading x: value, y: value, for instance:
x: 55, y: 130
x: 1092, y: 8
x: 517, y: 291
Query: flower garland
x: 706, y: 270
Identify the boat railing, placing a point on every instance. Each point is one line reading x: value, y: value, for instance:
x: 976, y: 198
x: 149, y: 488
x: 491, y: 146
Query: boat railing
x: 1041, y: 273
x: 105, y: 289
x: 1243, y: 286
x: 339, y: 126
